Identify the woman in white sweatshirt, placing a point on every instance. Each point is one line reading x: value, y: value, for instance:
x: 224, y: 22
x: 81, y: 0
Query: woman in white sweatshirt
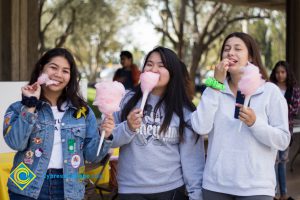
x: 240, y: 164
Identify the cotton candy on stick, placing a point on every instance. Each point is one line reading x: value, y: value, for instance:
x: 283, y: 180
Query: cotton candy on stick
x: 108, y: 98
x: 44, y: 79
x: 148, y: 81
x: 251, y: 80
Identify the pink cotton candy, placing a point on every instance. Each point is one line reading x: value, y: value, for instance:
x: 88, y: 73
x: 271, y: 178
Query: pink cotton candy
x: 44, y: 79
x: 108, y: 96
x: 148, y: 81
x: 251, y: 80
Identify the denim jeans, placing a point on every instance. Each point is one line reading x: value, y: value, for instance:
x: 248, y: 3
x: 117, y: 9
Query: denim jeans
x: 52, y: 189
x: 280, y: 169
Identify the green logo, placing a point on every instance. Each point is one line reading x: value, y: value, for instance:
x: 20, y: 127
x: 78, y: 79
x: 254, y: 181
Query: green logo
x: 22, y: 176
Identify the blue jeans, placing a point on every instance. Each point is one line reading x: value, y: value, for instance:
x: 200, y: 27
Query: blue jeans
x: 280, y: 168
x: 51, y: 189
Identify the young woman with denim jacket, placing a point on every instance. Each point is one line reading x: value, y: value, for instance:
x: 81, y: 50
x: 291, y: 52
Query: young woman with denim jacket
x: 54, y: 132
x: 284, y: 79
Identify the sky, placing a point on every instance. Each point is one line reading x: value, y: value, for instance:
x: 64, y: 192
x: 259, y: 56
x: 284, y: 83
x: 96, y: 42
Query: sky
x: 142, y: 35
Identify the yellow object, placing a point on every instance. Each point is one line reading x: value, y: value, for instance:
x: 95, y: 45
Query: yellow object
x: 105, y: 176
x: 6, y: 163
x: 81, y: 112
x: 94, y: 173
x: 20, y: 181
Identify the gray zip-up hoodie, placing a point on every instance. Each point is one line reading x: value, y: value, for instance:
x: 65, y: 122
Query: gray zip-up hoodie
x: 242, y: 163
x: 153, y: 163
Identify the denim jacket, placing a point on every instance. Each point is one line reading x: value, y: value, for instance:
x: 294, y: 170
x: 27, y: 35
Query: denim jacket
x: 26, y: 133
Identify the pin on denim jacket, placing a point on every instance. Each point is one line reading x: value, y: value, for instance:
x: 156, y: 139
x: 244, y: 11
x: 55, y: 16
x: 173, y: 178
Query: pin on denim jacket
x: 32, y: 135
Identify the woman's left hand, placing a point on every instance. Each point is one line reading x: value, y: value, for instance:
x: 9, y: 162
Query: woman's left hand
x: 246, y: 115
x: 108, y: 125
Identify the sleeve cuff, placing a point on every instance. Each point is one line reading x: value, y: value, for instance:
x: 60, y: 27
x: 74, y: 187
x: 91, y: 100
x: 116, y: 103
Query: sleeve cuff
x: 258, y: 123
x: 111, y: 137
x: 27, y: 116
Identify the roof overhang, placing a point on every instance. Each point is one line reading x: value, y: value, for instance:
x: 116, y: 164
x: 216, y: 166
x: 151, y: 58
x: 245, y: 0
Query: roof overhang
x: 268, y: 4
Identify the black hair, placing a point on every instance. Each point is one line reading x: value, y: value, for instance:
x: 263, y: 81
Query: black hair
x: 290, y: 79
x: 127, y: 54
x: 71, y: 91
x: 176, y: 96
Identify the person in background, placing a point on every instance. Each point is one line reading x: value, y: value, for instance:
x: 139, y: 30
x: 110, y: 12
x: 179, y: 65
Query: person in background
x: 282, y: 76
x: 240, y: 164
x: 129, y: 74
x: 160, y: 155
x: 53, y: 131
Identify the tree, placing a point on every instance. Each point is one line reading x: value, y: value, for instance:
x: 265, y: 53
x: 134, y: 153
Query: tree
x: 196, y: 25
x: 49, y: 17
x: 270, y: 35
x: 88, y: 27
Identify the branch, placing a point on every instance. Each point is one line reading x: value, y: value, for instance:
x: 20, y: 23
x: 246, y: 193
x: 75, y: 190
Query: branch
x: 171, y: 16
x: 217, y: 8
x: 181, y: 27
x: 223, y: 28
x: 62, y: 39
x: 195, y: 19
x: 159, y: 29
x: 48, y: 24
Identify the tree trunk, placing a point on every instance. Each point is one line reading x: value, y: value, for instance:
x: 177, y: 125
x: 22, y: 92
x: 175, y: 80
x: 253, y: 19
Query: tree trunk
x: 181, y: 28
x: 196, y: 57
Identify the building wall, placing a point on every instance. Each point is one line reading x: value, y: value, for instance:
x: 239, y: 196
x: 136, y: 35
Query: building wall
x: 293, y: 36
x: 18, y: 38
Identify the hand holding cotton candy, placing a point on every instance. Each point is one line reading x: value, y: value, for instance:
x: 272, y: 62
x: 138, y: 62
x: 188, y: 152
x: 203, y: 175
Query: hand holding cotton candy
x: 44, y: 79
x: 148, y: 81
x: 108, y: 97
x: 251, y: 80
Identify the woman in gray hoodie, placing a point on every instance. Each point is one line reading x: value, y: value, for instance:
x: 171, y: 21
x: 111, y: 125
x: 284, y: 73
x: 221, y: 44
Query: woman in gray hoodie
x: 160, y: 155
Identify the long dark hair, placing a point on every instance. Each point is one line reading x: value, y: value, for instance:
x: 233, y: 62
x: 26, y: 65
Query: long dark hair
x: 71, y: 91
x: 253, y: 51
x: 290, y: 79
x: 176, y: 96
